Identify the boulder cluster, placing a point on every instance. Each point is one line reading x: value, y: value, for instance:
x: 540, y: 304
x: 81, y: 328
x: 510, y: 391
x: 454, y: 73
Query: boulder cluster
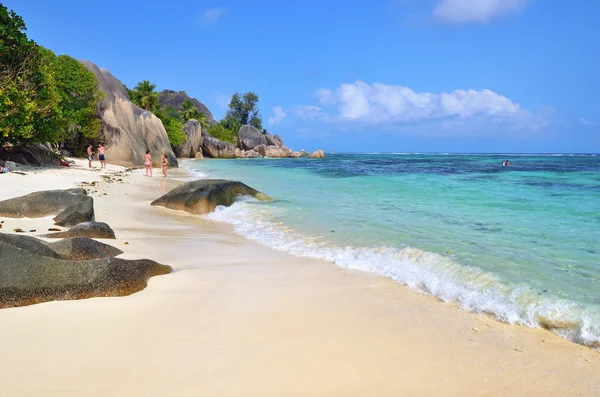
x: 76, y: 266
x: 251, y: 143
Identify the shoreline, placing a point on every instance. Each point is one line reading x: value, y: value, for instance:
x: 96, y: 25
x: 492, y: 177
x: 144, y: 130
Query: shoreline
x: 239, y: 318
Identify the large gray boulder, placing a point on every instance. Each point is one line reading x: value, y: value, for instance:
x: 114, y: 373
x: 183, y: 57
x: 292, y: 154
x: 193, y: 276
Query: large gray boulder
x: 86, y: 229
x: 30, y: 244
x: 214, y: 148
x: 44, y: 203
x: 273, y: 151
x: 203, y: 196
x: 274, y: 140
x: 127, y: 129
x: 176, y: 98
x: 193, y: 142
x: 250, y: 137
x: 83, y: 211
x: 82, y: 248
x: 27, y: 277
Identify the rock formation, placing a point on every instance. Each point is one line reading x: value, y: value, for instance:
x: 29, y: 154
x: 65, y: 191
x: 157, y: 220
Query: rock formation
x: 193, y: 143
x: 71, y: 205
x: 86, y: 229
x: 212, y: 147
x: 203, y: 196
x: 175, y: 99
x: 250, y: 137
x: 29, y: 276
x: 273, y: 151
x: 317, y: 154
x: 128, y: 130
x: 82, y: 248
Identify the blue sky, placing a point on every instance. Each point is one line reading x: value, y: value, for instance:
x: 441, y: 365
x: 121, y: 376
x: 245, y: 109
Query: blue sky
x: 390, y: 75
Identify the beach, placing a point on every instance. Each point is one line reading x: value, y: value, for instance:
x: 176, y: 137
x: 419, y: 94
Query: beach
x: 237, y: 318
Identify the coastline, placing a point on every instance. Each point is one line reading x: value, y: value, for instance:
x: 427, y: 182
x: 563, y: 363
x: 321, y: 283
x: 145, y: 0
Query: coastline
x: 238, y: 318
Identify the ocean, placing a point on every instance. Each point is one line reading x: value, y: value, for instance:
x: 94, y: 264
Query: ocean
x: 518, y: 243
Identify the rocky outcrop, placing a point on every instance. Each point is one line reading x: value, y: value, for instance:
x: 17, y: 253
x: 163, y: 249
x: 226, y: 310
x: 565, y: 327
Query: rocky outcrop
x: 199, y: 155
x: 274, y: 140
x: 82, y: 248
x: 193, y: 143
x: 250, y: 137
x: 29, y: 244
x: 317, y: 154
x: 128, y: 131
x: 28, y: 276
x: 175, y: 99
x: 86, y: 229
x: 82, y: 211
x: 273, y: 151
x: 212, y: 147
x: 296, y: 155
x: 30, y: 155
x: 203, y: 196
x: 44, y: 203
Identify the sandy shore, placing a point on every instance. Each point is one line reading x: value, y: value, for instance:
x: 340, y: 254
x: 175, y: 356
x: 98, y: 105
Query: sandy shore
x: 236, y: 318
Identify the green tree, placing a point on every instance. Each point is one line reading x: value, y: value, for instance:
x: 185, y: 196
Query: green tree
x: 29, y: 101
x: 79, y: 98
x: 188, y: 111
x: 243, y: 110
x: 145, y: 97
x: 223, y: 133
x: 174, y: 131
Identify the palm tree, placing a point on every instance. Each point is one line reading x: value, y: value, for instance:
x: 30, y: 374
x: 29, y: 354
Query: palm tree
x: 144, y: 95
x: 203, y: 121
x: 188, y: 111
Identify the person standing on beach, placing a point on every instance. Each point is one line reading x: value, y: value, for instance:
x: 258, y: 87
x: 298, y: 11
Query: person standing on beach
x: 101, y: 156
x: 90, y: 155
x: 165, y: 164
x: 148, y: 163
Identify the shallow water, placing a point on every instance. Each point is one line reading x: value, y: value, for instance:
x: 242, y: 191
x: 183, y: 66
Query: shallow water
x: 521, y: 243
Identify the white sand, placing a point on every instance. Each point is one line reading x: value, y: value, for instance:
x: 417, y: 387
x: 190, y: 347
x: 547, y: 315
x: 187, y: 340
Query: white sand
x: 238, y: 319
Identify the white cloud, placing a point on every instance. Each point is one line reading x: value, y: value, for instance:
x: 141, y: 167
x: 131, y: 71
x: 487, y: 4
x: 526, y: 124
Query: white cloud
x: 210, y: 16
x: 586, y: 122
x: 388, y: 104
x: 279, y: 115
x: 464, y: 11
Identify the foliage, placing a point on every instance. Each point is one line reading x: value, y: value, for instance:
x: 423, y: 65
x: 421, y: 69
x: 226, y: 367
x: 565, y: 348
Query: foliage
x: 243, y: 110
x: 222, y: 133
x: 29, y: 101
x: 171, y: 112
x: 188, y: 111
x: 174, y: 131
x: 79, y: 98
x: 145, y: 97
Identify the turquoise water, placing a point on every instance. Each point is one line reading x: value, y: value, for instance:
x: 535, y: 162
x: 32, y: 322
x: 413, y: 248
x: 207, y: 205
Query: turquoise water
x: 520, y: 243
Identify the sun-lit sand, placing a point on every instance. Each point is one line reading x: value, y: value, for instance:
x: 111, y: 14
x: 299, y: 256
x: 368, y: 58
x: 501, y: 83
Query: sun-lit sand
x: 239, y: 319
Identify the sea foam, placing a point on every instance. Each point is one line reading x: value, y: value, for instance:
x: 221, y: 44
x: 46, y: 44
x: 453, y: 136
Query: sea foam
x: 470, y: 287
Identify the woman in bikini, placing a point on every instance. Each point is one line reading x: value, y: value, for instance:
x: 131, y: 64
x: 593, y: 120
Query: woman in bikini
x: 148, y: 163
x: 165, y: 164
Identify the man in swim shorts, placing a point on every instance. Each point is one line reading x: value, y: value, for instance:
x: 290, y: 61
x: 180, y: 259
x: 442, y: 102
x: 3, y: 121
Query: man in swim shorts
x: 90, y: 155
x: 101, y: 155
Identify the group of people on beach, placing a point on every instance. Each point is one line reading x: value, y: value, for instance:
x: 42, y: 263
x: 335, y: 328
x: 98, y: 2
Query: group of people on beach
x: 147, y: 159
x: 101, y: 155
x: 148, y: 163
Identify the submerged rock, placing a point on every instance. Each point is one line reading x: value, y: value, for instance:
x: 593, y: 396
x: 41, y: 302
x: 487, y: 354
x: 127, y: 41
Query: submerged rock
x: 27, y: 277
x: 86, y: 229
x: 203, y: 196
x: 44, y: 203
